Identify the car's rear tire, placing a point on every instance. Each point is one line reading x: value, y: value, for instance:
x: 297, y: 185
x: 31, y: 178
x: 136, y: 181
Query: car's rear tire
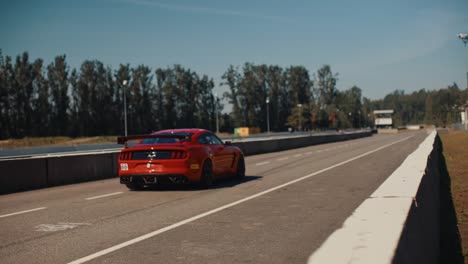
x: 207, y: 174
x: 240, y: 172
x: 134, y: 186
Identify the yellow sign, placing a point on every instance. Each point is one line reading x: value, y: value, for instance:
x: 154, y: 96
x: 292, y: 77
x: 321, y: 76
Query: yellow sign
x: 241, y: 131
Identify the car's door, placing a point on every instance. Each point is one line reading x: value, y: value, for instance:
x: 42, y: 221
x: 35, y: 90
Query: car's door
x: 221, y: 156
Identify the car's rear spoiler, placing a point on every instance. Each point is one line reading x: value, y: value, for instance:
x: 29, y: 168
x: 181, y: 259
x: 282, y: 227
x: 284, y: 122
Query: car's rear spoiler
x: 123, y: 140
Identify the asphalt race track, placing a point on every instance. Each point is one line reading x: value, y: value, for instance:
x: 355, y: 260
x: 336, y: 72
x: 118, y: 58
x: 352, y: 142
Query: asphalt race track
x: 284, y: 209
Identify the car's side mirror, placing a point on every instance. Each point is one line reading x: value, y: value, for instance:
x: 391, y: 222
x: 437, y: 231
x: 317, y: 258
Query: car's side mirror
x: 228, y: 143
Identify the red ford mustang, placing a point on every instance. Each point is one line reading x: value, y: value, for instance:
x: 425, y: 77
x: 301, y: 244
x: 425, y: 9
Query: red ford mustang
x: 178, y: 156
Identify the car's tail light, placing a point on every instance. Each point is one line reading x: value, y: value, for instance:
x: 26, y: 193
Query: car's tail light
x: 125, y: 155
x: 177, y: 154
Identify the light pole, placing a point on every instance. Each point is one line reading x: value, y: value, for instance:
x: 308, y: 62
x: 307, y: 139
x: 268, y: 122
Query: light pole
x: 359, y: 118
x: 216, y: 107
x: 464, y: 38
x: 125, y: 105
x: 351, y: 120
x: 337, y: 118
x: 268, y: 114
x: 300, y: 116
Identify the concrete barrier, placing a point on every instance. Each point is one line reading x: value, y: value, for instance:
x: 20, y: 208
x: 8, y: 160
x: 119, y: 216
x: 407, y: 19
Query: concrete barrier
x: 81, y: 168
x: 34, y: 173
x: 399, y: 222
x: 265, y: 146
x: 22, y: 175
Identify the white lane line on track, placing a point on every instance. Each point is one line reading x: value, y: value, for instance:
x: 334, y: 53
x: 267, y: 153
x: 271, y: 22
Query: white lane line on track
x: 23, y: 212
x: 297, y: 155
x: 191, y: 219
x: 280, y: 159
x: 308, y: 153
x: 102, y: 196
x: 262, y: 163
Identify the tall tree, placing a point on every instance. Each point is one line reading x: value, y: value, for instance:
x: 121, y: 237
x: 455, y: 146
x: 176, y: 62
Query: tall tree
x: 6, y: 82
x: 140, y: 104
x: 276, y: 83
x: 22, y: 93
x: 300, y: 96
x: 104, y: 107
x: 232, y: 79
x: 326, y: 93
x: 84, y: 98
x: 325, y: 86
x: 75, y: 104
x: 187, y: 92
x: 58, y: 83
x: 350, y: 103
x: 41, y: 104
x: 428, y: 118
x: 207, y: 103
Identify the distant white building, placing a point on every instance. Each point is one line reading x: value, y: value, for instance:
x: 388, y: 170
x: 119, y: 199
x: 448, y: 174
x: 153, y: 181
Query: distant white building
x: 383, y: 118
x: 464, y: 113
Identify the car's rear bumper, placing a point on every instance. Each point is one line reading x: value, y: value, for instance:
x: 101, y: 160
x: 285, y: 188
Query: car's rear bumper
x: 152, y: 179
x: 154, y: 171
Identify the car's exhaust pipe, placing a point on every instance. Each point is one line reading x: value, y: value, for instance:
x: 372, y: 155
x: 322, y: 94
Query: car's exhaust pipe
x: 177, y: 179
x: 150, y: 179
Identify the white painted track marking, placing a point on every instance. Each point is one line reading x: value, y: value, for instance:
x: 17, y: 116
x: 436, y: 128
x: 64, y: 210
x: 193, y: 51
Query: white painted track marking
x: 59, y: 227
x: 297, y: 155
x: 280, y: 159
x: 262, y: 163
x: 191, y: 219
x: 102, y: 196
x: 23, y: 212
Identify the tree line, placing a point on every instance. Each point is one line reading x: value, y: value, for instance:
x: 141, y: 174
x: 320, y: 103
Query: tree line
x: 440, y: 107
x: 55, y: 100
x: 52, y: 100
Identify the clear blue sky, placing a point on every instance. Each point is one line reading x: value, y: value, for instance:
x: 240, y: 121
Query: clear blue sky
x: 377, y: 45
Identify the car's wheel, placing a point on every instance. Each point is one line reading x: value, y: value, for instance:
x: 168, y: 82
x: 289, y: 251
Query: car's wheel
x: 207, y: 174
x: 240, y: 172
x: 134, y: 186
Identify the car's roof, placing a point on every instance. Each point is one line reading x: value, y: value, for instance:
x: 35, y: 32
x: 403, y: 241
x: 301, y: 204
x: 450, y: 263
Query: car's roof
x: 182, y: 130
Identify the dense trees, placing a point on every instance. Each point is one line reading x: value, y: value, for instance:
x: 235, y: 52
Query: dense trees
x: 40, y: 100
x: 56, y: 100
x: 439, y: 107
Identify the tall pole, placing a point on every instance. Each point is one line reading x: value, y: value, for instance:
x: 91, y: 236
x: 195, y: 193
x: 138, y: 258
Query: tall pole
x: 359, y: 119
x: 268, y: 115
x: 351, y: 120
x: 300, y: 116
x: 464, y: 38
x: 216, y: 107
x: 125, y: 105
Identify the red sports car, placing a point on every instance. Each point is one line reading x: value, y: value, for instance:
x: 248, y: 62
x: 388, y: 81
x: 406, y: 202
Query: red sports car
x: 178, y: 156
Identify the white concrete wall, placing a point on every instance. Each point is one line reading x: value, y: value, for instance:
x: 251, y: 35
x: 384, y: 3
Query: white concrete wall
x: 375, y: 230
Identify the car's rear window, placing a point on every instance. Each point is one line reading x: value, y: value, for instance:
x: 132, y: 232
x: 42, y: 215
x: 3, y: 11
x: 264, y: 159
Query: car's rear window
x: 165, y: 139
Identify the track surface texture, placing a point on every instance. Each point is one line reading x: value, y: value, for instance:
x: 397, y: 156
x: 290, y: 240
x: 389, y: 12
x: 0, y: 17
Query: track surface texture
x: 283, y: 210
